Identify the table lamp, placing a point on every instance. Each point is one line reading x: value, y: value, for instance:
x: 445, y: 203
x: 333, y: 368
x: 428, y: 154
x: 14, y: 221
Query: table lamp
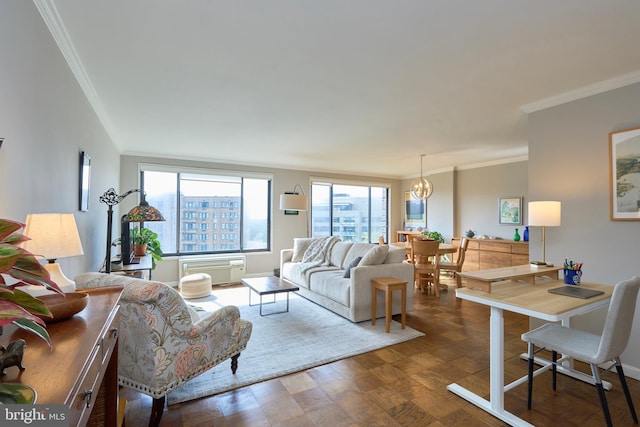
x: 544, y: 214
x: 53, y: 236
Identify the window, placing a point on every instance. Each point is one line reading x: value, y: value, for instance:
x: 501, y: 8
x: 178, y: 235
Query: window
x: 242, y: 199
x: 354, y: 213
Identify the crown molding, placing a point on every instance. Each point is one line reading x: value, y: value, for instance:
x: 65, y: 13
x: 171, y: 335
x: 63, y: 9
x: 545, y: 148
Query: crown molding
x: 583, y: 92
x: 56, y: 27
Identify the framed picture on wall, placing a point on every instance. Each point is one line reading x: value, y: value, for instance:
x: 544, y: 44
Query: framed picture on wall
x: 415, y: 212
x: 85, y: 180
x: 624, y: 176
x: 510, y: 210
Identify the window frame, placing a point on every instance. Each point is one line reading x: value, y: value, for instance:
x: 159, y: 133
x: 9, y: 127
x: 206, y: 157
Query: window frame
x: 331, y: 182
x: 239, y: 213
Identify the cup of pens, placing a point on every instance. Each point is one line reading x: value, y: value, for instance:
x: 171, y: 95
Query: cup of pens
x: 572, y: 272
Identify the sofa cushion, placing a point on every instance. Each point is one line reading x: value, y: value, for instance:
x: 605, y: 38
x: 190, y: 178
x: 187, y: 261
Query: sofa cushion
x: 356, y: 250
x: 375, y: 256
x: 300, y: 245
x: 338, y: 253
x: 332, y: 285
x: 395, y: 255
x: 353, y: 263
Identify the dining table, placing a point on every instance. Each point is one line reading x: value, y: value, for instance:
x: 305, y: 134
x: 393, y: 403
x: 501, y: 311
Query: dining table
x: 443, y: 248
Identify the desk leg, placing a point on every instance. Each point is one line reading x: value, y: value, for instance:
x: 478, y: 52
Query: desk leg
x: 495, y: 404
x: 496, y: 352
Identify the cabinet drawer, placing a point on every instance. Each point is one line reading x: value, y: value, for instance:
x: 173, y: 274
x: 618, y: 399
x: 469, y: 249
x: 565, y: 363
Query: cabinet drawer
x: 519, y: 259
x: 86, y: 393
x: 495, y: 246
x: 110, y: 336
x: 494, y: 260
x: 522, y: 248
x: 473, y: 245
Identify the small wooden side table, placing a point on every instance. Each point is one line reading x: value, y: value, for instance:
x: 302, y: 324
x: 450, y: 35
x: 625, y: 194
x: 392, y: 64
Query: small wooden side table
x: 388, y: 285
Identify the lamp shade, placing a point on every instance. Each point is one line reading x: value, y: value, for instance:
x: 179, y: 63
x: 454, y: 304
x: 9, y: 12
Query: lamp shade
x: 142, y: 213
x: 293, y: 202
x: 53, y: 235
x: 545, y: 213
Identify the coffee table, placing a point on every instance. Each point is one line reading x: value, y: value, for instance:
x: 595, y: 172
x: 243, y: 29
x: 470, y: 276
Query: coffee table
x: 270, y: 285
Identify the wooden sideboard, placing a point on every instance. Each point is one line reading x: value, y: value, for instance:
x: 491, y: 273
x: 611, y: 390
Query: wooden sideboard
x: 80, y: 370
x: 484, y: 254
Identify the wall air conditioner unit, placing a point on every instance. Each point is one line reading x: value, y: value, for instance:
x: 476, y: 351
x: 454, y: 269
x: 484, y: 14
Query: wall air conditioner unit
x: 223, y: 269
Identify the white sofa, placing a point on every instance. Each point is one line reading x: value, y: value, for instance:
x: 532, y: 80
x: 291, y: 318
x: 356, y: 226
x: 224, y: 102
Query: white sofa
x: 349, y: 297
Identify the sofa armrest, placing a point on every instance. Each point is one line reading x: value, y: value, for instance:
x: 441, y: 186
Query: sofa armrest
x: 286, y: 255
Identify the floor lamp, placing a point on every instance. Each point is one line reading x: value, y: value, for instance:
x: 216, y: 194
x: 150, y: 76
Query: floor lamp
x: 53, y: 236
x: 544, y: 214
x: 141, y: 213
x: 295, y: 201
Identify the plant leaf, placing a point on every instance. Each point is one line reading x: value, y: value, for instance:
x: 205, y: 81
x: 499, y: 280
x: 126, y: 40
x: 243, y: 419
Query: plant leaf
x: 34, y: 327
x: 26, y: 301
x: 7, y: 227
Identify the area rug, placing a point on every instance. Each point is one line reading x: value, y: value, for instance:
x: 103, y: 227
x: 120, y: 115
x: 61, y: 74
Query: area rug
x: 307, y: 336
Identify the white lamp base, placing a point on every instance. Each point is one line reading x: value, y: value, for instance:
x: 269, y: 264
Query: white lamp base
x: 57, y: 276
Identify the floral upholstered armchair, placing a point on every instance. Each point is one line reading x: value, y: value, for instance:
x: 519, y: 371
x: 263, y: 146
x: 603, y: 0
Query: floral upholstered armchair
x: 162, y: 343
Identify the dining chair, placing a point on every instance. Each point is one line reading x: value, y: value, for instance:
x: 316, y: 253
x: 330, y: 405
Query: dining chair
x: 456, y: 267
x: 591, y: 348
x: 424, y: 257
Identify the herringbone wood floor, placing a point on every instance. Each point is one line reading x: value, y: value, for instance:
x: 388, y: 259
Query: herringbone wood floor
x: 403, y: 385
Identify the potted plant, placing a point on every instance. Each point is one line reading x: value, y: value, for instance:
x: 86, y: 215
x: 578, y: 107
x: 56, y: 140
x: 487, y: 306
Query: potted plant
x: 19, y: 267
x: 434, y: 235
x: 146, y: 242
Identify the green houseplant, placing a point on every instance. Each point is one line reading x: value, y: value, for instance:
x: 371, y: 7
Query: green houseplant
x: 19, y: 267
x: 145, y: 236
x: 434, y: 235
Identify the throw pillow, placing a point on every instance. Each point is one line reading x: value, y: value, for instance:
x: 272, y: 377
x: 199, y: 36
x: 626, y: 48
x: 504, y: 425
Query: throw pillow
x: 395, y: 255
x: 353, y: 263
x: 375, y: 256
x: 300, y: 245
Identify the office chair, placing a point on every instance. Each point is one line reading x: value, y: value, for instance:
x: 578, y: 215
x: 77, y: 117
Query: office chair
x: 591, y: 348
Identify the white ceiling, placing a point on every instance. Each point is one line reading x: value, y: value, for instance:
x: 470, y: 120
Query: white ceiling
x: 357, y: 86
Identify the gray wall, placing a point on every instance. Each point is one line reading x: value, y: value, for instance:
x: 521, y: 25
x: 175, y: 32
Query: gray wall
x: 568, y: 161
x: 476, y: 196
x: 46, y: 122
x: 468, y: 199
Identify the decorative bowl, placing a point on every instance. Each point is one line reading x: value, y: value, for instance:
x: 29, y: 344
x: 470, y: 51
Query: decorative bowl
x: 64, y: 307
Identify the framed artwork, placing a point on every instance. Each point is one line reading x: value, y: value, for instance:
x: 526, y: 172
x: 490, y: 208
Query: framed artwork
x: 510, y: 210
x: 85, y: 180
x: 624, y: 176
x: 415, y: 212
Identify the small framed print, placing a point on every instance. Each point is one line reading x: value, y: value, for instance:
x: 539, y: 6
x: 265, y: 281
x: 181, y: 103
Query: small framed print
x: 85, y: 181
x: 510, y: 210
x: 624, y: 175
x: 415, y: 212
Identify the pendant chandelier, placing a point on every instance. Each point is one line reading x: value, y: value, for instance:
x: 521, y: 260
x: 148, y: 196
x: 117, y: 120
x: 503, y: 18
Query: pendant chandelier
x: 421, y: 188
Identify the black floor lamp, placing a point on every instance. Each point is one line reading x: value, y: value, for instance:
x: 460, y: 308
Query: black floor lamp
x: 141, y: 213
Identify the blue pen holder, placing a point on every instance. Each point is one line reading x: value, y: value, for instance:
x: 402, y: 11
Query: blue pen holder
x: 572, y: 277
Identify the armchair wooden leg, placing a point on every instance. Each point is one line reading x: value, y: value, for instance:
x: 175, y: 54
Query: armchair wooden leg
x: 234, y: 363
x: 156, y: 411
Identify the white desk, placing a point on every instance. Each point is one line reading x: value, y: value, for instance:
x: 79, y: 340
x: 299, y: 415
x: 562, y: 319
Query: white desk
x: 530, y: 300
